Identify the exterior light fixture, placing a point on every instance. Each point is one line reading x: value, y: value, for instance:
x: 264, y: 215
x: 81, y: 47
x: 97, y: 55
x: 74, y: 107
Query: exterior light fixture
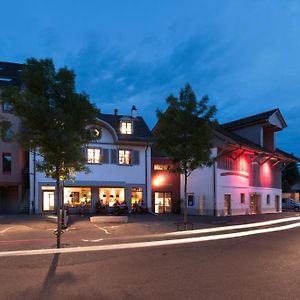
x: 159, y: 180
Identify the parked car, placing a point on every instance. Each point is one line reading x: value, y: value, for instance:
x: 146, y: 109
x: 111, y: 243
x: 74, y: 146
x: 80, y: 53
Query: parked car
x: 289, y: 203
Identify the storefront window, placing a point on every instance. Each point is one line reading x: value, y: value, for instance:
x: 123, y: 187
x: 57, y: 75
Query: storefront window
x: 110, y: 196
x: 136, y: 196
x: 75, y: 196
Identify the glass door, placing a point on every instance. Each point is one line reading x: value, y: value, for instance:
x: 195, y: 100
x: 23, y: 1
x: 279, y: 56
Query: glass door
x: 162, y: 202
x: 48, y: 200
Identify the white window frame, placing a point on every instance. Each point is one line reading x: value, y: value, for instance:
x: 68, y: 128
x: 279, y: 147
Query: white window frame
x: 126, y: 127
x: 93, y: 155
x: 122, y: 157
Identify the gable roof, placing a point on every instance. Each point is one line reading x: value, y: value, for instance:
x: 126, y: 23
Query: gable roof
x: 254, y: 119
x: 10, y: 74
x: 245, y: 143
x: 141, y: 132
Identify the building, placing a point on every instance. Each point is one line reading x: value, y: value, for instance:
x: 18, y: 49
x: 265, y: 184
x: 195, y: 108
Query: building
x: 119, y: 161
x: 245, y: 177
x: 165, y: 185
x: 14, y: 188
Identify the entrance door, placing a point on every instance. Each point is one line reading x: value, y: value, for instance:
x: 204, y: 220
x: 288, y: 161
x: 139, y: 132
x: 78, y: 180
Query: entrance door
x: 227, y: 204
x: 254, y: 203
x: 162, y: 202
x: 48, y: 200
x: 277, y: 207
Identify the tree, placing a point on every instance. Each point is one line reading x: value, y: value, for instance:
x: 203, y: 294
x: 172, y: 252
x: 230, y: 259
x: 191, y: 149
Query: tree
x: 185, y: 133
x: 290, y: 176
x: 55, y: 121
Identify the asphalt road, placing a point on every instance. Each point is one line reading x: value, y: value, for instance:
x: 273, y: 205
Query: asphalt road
x: 256, y: 267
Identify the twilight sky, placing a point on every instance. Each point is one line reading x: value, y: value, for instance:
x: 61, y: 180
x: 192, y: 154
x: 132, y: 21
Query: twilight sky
x: 243, y: 54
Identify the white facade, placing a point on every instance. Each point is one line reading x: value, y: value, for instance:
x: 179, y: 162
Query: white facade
x: 106, y: 174
x: 210, y: 186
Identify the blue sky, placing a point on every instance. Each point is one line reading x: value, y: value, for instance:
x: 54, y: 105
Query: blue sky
x: 243, y: 54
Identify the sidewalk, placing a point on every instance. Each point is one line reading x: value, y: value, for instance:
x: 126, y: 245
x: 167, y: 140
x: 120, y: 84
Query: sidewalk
x: 138, y: 224
x: 26, y: 232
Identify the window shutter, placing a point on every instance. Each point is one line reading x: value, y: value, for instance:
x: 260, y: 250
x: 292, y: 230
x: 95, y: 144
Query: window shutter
x: 113, y: 156
x: 104, y: 156
x: 256, y: 174
x: 84, y: 153
x: 136, y: 157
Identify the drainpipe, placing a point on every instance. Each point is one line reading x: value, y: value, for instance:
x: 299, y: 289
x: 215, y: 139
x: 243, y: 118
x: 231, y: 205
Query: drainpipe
x: 146, y: 174
x: 214, y: 186
x: 34, y: 182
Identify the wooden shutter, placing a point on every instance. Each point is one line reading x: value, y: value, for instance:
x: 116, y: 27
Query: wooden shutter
x: 256, y: 174
x: 84, y: 153
x: 104, y: 156
x: 136, y: 157
x: 113, y: 156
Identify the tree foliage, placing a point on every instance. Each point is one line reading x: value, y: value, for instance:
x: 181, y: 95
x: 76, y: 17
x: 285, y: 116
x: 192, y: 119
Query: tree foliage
x: 290, y: 176
x: 185, y: 130
x: 54, y: 117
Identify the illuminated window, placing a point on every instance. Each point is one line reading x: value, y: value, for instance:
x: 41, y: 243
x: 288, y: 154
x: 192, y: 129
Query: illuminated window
x: 161, y: 167
x: 124, y: 157
x: 93, y: 155
x: 126, y: 127
x: 96, y: 133
x: 242, y: 198
x: 136, y: 196
x: 268, y: 199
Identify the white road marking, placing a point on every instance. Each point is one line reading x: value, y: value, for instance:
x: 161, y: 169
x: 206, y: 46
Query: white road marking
x: 92, y: 241
x: 150, y: 244
x: 101, y: 228
x: 6, y: 229
x: 233, y: 227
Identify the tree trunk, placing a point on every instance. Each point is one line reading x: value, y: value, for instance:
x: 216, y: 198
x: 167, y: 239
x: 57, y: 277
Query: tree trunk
x: 185, y: 219
x: 59, y: 212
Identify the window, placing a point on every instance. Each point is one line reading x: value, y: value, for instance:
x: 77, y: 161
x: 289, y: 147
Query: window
x: 126, y: 127
x: 6, y: 162
x: 191, y: 199
x: 6, y: 107
x: 96, y: 133
x: 161, y: 167
x: 268, y: 199
x: 242, y: 198
x: 93, y: 155
x: 7, y: 135
x: 124, y: 157
x: 136, y: 196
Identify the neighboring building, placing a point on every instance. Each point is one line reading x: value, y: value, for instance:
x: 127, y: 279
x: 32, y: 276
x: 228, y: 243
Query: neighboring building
x: 246, y: 175
x: 13, y: 160
x: 165, y: 185
x: 120, y: 167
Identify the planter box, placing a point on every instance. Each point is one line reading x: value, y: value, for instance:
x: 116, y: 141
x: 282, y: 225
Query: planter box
x: 109, y: 219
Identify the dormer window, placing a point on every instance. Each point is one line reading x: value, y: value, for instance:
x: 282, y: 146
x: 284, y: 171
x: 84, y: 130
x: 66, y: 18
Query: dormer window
x: 126, y: 127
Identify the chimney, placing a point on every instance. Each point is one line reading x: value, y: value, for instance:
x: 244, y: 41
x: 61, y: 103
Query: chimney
x: 116, y: 112
x: 133, y: 112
